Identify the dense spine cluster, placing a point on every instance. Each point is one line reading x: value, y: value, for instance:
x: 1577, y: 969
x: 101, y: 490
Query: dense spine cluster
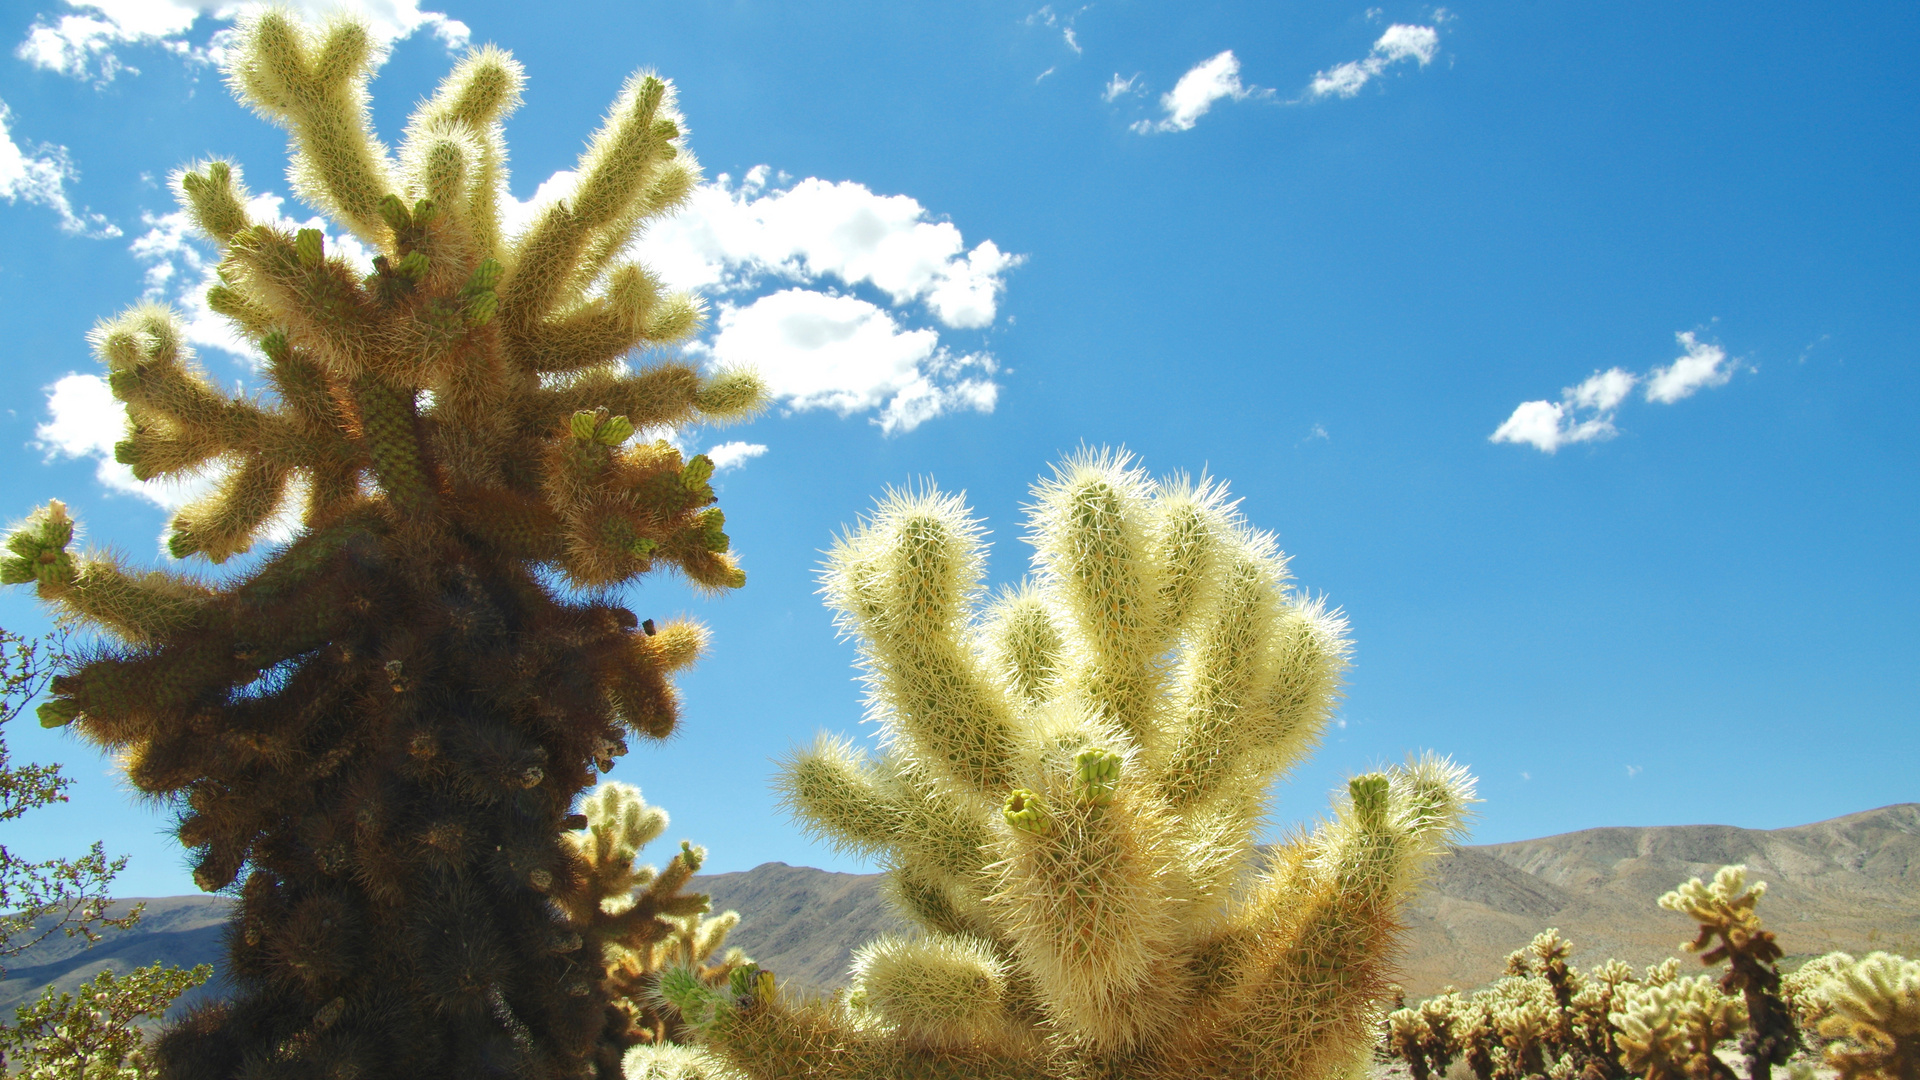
x: 1067, y: 798
x: 375, y: 731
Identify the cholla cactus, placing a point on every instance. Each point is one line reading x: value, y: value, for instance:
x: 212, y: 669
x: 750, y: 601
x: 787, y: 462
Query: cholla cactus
x: 1804, y: 991
x: 638, y: 918
x: 1872, y: 1011
x: 1725, y: 912
x: 1408, y: 1036
x: 1067, y: 800
x: 382, y: 724
x: 1670, y: 1031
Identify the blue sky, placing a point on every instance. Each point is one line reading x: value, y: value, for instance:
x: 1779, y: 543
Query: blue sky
x: 1569, y: 350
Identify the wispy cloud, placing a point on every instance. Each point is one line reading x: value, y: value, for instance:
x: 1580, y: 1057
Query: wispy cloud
x: 39, y: 175
x: 1703, y: 365
x: 1400, y: 42
x: 84, y: 41
x: 1052, y: 19
x: 1585, y: 412
x: 1117, y: 87
x: 1193, y: 96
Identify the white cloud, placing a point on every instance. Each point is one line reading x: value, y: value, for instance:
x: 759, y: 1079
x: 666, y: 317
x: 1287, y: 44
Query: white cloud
x: 1585, y: 412
x: 1043, y: 75
x: 732, y: 455
x: 1703, y: 365
x: 40, y: 176
x: 1633, y: 771
x: 822, y: 351
x: 1072, y: 41
x: 1207, y: 82
x: 1117, y: 86
x: 82, y: 43
x: 732, y: 236
x: 1400, y: 42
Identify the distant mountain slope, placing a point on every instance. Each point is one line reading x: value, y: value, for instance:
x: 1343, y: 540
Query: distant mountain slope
x: 1850, y: 883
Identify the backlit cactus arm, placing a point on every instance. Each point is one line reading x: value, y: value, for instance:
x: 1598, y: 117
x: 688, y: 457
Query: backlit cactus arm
x: 903, y: 583
x: 935, y: 991
x: 1092, y: 528
x: 1022, y: 644
x: 137, y: 607
x: 1225, y: 670
x: 1328, y: 919
x: 480, y: 93
x: 836, y: 794
x: 315, y: 85
x: 616, y: 169
x: 1091, y: 901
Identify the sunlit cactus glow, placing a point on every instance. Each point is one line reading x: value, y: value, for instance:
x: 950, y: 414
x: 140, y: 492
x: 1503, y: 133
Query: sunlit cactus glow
x: 1072, y: 777
x: 375, y: 731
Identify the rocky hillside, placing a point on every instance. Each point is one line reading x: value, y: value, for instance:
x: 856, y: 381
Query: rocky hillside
x: 1850, y: 883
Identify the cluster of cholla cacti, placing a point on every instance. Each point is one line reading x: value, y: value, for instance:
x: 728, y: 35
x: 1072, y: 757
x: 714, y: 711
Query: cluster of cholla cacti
x: 619, y: 824
x: 1548, y: 1019
x: 1072, y: 779
x: 375, y: 731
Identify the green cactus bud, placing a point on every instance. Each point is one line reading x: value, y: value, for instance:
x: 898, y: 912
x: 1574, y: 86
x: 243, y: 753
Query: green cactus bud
x: 643, y: 546
x: 424, y: 211
x: 57, y: 712
x: 274, y: 345
x: 393, y: 210
x: 695, y: 474
x: 741, y: 979
x: 485, y: 276
x: 692, y: 856
x: 225, y: 300
x: 481, y: 307
x: 310, y: 245
x: 1370, y: 793
x: 414, y: 265
x: 613, y: 431
x: 1025, y: 812
x: 1096, y: 773
x: 583, y: 424
x: 712, y: 521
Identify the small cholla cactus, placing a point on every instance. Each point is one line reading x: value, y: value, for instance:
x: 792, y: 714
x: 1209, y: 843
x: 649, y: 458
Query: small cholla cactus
x: 377, y: 729
x: 638, y: 919
x: 1671, y: 1031
x: 1872, y: 1012
x: 1408, y: 1037
x: 1068, y: 797
x: 1730, y: 931
x: 1804, y: 991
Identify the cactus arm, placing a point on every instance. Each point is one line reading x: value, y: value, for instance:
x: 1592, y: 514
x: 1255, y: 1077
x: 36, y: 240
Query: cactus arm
x: 920, y: 553
x: 1091, y: 527
x: 314, y: 84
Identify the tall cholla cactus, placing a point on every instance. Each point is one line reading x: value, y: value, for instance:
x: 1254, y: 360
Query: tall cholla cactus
x: 1871, y: 1009
x: 1068, y: 797
x: 1730, y: 931
x: 384, y: 722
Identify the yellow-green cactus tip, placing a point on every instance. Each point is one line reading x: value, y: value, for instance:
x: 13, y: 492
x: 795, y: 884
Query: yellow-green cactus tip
x: 1096, y: 772
x: 613, y: 431
x: 310, y: 245
x: 1369, y: 793
x: 1025, y: 812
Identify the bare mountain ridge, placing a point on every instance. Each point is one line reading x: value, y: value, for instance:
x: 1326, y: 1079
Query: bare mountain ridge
x: 1850, y: 883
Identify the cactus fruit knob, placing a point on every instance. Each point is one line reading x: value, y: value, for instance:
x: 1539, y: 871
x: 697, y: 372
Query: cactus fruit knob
x: 1024, y: 812
x: 1096, y: 773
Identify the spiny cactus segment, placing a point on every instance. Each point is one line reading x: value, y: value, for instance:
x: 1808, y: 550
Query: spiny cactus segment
x: 1730, y: 933
x: 1072, y: 777
x: 374, y: 731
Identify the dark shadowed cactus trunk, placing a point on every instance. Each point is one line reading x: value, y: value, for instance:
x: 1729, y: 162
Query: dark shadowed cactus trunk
x: 376, y: 733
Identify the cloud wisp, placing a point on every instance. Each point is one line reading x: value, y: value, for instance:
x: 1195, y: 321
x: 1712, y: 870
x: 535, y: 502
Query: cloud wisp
x: 1401, y: 42
x: 84, y: 42
x: 39, y: 175
x: 1585, y: 412
x: 1210, y: 80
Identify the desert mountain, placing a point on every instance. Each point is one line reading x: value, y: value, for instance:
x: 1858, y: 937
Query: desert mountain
x: 1851, y: 883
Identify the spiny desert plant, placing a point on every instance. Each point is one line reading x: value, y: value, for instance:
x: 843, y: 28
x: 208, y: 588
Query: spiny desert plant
x: 1067, y: 799
x: 1670, y: 1031
x: 1730, y: 931
x: 1872, y: 1011
x: 643, y: 921
x: 379, y: 727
